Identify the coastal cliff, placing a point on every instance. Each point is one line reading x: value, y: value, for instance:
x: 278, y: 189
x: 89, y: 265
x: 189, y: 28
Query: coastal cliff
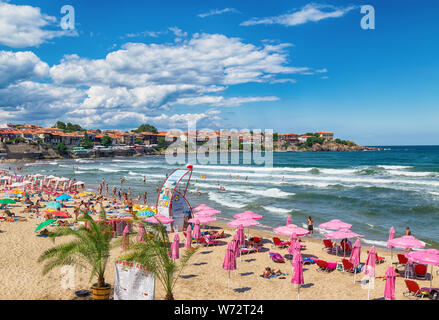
x: 326, y: 146
x: 26, y: 151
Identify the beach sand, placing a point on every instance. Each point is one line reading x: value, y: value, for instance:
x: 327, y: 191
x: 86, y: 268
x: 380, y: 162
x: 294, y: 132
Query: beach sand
x: 203, y: 279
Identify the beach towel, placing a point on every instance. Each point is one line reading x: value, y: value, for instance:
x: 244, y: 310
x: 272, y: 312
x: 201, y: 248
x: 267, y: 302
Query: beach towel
x: 308, y: 260
x: 274, y: 275
x: 276, y: 257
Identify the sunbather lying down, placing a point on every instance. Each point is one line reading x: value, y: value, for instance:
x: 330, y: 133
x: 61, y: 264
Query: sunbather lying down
x: 268, y: 272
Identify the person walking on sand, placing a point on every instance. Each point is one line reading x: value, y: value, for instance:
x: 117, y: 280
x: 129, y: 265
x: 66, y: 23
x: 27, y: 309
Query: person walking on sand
x: 408, y: 232
x: 310, y: 226
x: 144, y: 198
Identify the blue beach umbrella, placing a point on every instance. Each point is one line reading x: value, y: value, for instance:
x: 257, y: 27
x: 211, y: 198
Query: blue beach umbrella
x: 63, y: 197
x: 145, y: 213
x: 53, y: 205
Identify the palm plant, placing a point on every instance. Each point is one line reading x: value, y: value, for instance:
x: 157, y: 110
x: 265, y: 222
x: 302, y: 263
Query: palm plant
x: 90, y: 249
x: 155, y: 256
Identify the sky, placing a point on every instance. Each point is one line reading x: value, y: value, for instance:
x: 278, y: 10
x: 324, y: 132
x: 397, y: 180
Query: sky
x: 291, y: 66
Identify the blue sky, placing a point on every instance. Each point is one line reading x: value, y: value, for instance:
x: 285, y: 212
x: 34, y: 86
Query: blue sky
x: 291, y: 66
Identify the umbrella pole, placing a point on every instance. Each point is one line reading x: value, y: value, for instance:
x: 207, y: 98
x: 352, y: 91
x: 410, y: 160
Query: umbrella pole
x: 298, y: 292
x: 228, y: 283
x: 431, y: 276
x: 355, y: 274
x: 368, y: 290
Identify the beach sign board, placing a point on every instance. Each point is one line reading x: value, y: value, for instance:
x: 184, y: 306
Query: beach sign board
x: 180, y: 212
x: 174, y: 191
x: 132, y: 281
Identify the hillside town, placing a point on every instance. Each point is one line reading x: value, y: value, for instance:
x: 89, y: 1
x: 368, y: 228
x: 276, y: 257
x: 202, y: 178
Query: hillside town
x: 70, y: 140
x: 55, y: 136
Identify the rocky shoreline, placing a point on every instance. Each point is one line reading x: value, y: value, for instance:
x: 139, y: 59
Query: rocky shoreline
x: 27, y: 152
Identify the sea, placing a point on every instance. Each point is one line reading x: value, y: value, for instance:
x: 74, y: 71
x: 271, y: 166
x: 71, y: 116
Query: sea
x: 372, y: 190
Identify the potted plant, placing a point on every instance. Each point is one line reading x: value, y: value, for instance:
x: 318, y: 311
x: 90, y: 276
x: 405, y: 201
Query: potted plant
x: 154, y: 254
x: 89, y: 249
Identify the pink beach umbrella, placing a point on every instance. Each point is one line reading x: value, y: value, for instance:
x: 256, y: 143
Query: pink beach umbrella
x: 125, y: 237
x: 196, y: 233
x: 240, y: 233
x: 202, y: 207
x: 355, y: 256
x: 369, y: 268
x: 236, y: 247
x: 202, y: 219
x: 297, y: 278
x: 291, y: 248
x: 389, y: 288
x: 188, y: 237
x: 159, y: 218
x: 288, y: 220
x: 243, y: 222
x: 290, y: 229
x: 335, y: 224
x: 229, y: 262
x: 406, y: 242
x: 429, y: 256
x: 248, y: 215
x: 141, y: 233
x: 391, y: 237
x: 207, y: 212
x: 343, y: 233
x: 240, y: 239
x: 175, y: 247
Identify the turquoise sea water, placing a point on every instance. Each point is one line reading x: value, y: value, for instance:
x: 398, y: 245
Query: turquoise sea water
x: 372, y: 190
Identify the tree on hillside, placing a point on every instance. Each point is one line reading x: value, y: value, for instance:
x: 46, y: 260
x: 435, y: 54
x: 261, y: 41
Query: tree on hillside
x: 107, y: 141
x: 86, y: 142
x: 69, y: 127
x: 61, y: 148
x: 313, y: 140
x: 275, y: 136
x: 60, y: 125
x: 146, y: 128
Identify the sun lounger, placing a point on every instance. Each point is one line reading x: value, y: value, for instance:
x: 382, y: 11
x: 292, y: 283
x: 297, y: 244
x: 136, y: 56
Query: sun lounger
x: 325, y: 266
x: 248, y: 250
x: 420, y: 271
x: 279, y: 244
x: 414, y: 290
x: 402, y: 260
x: 329, y: 246
x: 206, y: 242
x: 276, y: 257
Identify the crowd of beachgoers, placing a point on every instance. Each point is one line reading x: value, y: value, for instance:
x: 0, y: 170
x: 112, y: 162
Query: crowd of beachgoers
x: 264, y: 266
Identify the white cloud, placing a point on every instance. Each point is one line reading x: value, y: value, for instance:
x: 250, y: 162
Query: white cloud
x: 309, y: 13
x: 139, y: 80
x: 217, y: 12
x: 220, y: 101
x: 26, y: 26
x: 18, y: 66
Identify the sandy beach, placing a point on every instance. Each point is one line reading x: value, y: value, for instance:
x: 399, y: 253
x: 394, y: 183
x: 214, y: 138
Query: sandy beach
x: 202, y: 279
